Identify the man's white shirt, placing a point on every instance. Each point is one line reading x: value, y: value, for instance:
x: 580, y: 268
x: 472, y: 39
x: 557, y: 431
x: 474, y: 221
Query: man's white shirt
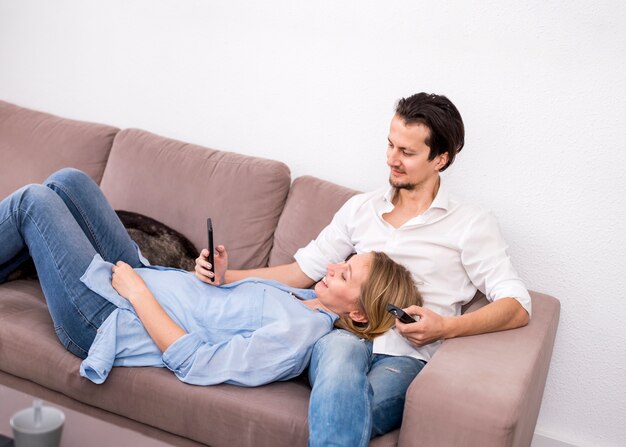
x: 452, y: 250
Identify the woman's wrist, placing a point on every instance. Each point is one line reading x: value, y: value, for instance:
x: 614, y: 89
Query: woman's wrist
x: 139, y: 296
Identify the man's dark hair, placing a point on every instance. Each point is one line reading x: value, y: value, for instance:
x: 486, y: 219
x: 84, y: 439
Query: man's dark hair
x: 447, y: 133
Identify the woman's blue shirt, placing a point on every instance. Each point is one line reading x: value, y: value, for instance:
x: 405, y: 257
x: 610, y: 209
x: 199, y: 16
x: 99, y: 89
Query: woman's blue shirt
x: 246, y: 333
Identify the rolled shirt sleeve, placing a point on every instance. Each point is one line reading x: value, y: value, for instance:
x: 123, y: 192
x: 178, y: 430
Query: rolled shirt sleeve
x: 273, y: 352
x: 488, y: 265
x: 334, y: 243
x: 178, y: 357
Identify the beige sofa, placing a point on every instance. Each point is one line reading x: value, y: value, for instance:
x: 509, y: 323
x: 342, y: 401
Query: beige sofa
x: 477, y: 391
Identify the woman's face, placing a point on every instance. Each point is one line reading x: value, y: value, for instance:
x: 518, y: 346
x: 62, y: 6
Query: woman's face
x: 340, y: 289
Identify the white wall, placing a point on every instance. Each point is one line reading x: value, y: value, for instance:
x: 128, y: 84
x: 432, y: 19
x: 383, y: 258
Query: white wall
x: 540, y: 85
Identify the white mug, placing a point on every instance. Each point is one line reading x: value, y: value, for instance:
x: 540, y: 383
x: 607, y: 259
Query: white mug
x: 37, y: 426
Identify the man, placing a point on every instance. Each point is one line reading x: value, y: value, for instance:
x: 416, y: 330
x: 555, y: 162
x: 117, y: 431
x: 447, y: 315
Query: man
x: 452, y: 250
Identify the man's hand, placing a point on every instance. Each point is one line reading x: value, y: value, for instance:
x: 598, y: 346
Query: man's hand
x: 127, y: 282
x: 202, y: 269
x: 429, y: 328
x: 500, y: 315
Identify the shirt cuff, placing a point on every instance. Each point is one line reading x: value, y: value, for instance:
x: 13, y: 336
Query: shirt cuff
x: 177, y: 356
x: 512, y: 289
x: 311, y: 261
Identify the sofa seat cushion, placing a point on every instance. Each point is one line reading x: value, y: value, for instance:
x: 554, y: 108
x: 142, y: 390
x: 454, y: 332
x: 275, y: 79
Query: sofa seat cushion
x: 271, y: 415
x: 37, y: 144
x: 181, y: 185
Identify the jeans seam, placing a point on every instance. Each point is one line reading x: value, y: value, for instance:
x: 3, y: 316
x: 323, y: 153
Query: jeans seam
x: 62, y: 328
x: 83, y: 215
x: 57, y: 269
x: 365, y: 435
x: 10, y: 215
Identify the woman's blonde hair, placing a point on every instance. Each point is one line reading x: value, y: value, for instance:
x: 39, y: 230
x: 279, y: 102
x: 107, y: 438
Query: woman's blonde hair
x: 388, y: 283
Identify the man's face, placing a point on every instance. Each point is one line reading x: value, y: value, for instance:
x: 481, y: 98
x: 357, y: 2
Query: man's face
x: 407, y: 155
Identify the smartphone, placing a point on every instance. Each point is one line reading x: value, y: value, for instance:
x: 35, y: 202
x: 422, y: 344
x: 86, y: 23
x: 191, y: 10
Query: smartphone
x: 400, y: 314
x: 209, y: 226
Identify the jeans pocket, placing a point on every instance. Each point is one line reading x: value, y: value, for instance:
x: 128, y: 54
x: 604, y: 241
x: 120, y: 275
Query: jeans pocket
x: 68, y: 343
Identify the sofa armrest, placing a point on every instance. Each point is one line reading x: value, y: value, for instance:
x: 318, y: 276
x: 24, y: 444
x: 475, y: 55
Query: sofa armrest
x: 484, y: 390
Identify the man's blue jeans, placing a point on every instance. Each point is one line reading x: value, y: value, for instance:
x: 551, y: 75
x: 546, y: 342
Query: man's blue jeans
x: 356, y: 395
x: 62, y: 224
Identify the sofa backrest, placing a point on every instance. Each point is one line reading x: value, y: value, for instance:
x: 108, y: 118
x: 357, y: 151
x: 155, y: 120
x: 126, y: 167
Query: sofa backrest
x: 311, y: 205
x: 176, y: 183
x: 181, y: 184
x: 34, y: 144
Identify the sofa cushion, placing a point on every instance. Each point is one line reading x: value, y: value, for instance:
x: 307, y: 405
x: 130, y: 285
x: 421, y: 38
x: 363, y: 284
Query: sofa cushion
x: 37, y: 144
x: 311, y: 205
x: 181, y: 185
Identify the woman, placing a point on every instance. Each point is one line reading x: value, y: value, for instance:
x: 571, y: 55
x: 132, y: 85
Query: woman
x: 110, y: 309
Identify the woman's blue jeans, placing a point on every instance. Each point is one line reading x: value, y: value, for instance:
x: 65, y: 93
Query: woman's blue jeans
x: 62, y: 224
x: 356, y: 395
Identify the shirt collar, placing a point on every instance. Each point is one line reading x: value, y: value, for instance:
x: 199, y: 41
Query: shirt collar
x: 441, y: 200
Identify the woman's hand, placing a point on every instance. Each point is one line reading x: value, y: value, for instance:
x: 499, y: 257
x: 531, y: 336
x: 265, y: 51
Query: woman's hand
x: 160, y: 326
x: 429, y: 328
x: 202, y: 271
x: 127, y: 282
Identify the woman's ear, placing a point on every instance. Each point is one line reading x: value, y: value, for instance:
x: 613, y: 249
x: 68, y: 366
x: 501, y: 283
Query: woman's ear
x: 358, y: 316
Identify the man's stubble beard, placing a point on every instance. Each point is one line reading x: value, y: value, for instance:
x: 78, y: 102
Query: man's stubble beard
x: 407, y: 186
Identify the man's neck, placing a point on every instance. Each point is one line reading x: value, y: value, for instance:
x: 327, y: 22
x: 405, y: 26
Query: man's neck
x: 415, y: 201
x: 411, y: 203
